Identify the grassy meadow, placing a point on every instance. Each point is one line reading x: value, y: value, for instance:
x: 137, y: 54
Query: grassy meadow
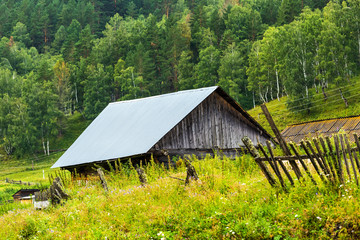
x: 231, y: 200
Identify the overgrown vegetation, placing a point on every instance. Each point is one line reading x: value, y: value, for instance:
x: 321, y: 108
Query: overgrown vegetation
x: 231, y: 200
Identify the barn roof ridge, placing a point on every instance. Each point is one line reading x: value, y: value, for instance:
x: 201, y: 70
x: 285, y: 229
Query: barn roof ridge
x: 165, y: 95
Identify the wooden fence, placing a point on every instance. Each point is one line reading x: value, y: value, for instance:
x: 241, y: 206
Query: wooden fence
x: 18, y: 182
x: 332, y: 159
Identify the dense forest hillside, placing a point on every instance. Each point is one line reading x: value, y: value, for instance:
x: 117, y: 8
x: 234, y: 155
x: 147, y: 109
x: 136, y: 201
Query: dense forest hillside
x: 58, y: 57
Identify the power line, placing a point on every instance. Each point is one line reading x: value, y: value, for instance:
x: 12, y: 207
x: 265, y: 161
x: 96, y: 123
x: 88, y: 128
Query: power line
x: 319, y: 100
x: 337, y: 100
x: 299, y: 99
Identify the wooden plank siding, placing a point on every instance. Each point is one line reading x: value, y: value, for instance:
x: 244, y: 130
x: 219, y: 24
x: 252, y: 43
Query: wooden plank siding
x: 214, y: 123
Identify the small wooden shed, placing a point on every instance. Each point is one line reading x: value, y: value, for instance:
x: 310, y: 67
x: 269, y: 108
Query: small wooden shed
x: 187, y: 122
x: 326, y: 127
x: 25, y: 195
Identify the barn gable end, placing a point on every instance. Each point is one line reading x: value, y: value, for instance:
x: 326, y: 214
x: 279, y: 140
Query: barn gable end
x: 214, y: 123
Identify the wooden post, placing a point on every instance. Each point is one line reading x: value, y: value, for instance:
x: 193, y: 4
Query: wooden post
x: 312, y: 160
x: 344, y: 155
x: 102, y: 179
x: 351, y: 159
x: 57, y: 192
x: 190, y: 172
x: 330, y: 156
x: 338, y: 162
x: 280, y: 163
x: 358, y: 148
x: 322, y: 158
x: 292, y: 145
x: 142, y: 176
x: 316, y: 157
x: 255, y: 154
x: 280, y: 140
x: 273, y: 166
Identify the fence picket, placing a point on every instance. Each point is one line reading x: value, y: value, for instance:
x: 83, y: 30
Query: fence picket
x: 343, y: 150
x: 280, y: 163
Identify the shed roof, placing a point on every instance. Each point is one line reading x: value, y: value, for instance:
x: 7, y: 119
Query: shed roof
x: 326, y: 127
x: 26, y: 192
x: 130, y: 128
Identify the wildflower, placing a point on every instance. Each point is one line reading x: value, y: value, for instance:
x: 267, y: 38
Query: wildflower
x: 160, y: 233
x: 296, y: 215
x: 319, y: 218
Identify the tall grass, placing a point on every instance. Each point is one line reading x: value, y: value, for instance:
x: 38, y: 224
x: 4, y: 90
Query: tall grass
x: 231, y: 200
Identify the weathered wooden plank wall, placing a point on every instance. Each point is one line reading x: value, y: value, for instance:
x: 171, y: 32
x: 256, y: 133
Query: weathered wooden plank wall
x: 214, y: 123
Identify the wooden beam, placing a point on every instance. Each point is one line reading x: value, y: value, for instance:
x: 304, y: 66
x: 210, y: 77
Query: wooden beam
x: 281, y: 140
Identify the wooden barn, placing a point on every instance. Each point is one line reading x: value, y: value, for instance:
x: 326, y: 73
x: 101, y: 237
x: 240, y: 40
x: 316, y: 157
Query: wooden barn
x: 327, y: 127
x: 187, y: 122
x: 25, y: 195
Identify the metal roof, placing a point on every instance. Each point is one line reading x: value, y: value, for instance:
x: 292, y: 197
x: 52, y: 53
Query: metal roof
x: 324, y: 128
x: 129, y: 128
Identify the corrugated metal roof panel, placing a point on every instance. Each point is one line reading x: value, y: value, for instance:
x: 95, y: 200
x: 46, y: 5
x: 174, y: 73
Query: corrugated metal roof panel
x: 322, y: 128
x: 131, y: 127
x: 337, y: 126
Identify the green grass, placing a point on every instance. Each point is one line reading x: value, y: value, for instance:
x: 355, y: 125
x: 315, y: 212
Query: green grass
x: 334, y: 107
x: 232, y: 200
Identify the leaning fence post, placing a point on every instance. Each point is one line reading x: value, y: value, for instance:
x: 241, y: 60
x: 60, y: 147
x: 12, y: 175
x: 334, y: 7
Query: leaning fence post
x: 351, y: 159
x: 142, y: 176
x: 102, y: 179
x: 281, y: 141
x: 255, y: 154
x: 280, y: 163
x: 302, y: 162
x: 358, y: 148
x: 344, y: 155
x: 312, y: 160
x: 273, y: 165
x: 338, y: 162
x: 190, y: 172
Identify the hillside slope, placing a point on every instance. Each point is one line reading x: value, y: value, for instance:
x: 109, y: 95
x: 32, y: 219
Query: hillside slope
x: 334, y: 107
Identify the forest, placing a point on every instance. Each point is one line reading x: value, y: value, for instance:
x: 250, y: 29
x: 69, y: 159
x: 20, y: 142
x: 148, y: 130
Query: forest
x: 62, y: 56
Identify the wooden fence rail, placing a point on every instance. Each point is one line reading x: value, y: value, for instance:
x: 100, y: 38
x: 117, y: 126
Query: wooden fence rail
x: 18, y: 182
x: 332, y: 159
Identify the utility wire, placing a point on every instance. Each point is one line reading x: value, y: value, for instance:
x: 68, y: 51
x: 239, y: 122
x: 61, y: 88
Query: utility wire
x: 299, y: 99
x: 319, y: 100
x: 337, y: 100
